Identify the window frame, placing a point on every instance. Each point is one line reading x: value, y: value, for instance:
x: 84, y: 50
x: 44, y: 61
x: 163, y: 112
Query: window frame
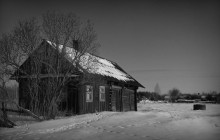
x: 88, y: 93
x: 102, y: 93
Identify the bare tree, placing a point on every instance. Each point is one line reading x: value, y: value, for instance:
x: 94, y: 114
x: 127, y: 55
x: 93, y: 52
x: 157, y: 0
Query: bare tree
x: 4, y: 121
x: 72, y: 41
x: 14, y: 49
x: 157, y: 89
x: 174, y: 93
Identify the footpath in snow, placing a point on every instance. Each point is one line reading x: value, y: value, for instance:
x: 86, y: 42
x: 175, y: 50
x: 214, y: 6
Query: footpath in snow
x: 161, y: 121
x: 52, y: 126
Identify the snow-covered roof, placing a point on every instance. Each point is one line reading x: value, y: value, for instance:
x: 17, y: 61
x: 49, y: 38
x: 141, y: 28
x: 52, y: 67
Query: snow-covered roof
x: 97, y: 65
x: 104, y: 67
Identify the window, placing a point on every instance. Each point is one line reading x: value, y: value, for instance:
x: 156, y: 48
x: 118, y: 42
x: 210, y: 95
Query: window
x: 102, y: 93
x: 89, y: 93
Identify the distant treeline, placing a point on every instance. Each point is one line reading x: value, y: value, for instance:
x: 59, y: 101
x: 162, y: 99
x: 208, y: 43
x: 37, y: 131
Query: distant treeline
x: 211, y: 96
x: 143, y: 95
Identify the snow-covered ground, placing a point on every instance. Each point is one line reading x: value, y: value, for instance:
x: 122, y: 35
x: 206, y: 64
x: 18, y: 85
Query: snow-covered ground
x: 153, y: 121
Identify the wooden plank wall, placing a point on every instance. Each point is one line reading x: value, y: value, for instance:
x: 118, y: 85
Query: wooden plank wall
x: 126, y: 100
x: 116, y: 98
x: 135, y: 98
x: 96, y: 105
x: 113, y: 100
x: 132, y: 101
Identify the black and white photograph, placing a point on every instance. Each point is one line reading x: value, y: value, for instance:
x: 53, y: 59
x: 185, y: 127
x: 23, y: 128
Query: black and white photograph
x: 109, y: 69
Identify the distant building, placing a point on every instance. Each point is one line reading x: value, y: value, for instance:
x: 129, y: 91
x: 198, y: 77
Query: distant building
x: 167, y: 98
x: 203, y: 97
x: 183, y: 96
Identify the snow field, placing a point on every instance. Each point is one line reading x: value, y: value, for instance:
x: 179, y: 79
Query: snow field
x: 161, y: 121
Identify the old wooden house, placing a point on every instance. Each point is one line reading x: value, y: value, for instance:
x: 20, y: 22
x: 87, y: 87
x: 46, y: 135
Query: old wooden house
x: 116, y: 91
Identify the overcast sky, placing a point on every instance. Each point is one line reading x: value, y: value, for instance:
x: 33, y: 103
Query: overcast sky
x: 172, y: 43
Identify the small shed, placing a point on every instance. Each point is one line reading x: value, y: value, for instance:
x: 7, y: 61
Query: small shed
x: 116, y: 91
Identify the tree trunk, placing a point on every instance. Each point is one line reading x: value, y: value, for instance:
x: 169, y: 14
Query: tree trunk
x: 22, y: 109
x: 5, y: 122
x: 29, y: 113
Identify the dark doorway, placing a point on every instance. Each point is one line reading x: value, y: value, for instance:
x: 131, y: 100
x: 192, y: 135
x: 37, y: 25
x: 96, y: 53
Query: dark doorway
x: 116, y: 99
x: 72, y: 100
